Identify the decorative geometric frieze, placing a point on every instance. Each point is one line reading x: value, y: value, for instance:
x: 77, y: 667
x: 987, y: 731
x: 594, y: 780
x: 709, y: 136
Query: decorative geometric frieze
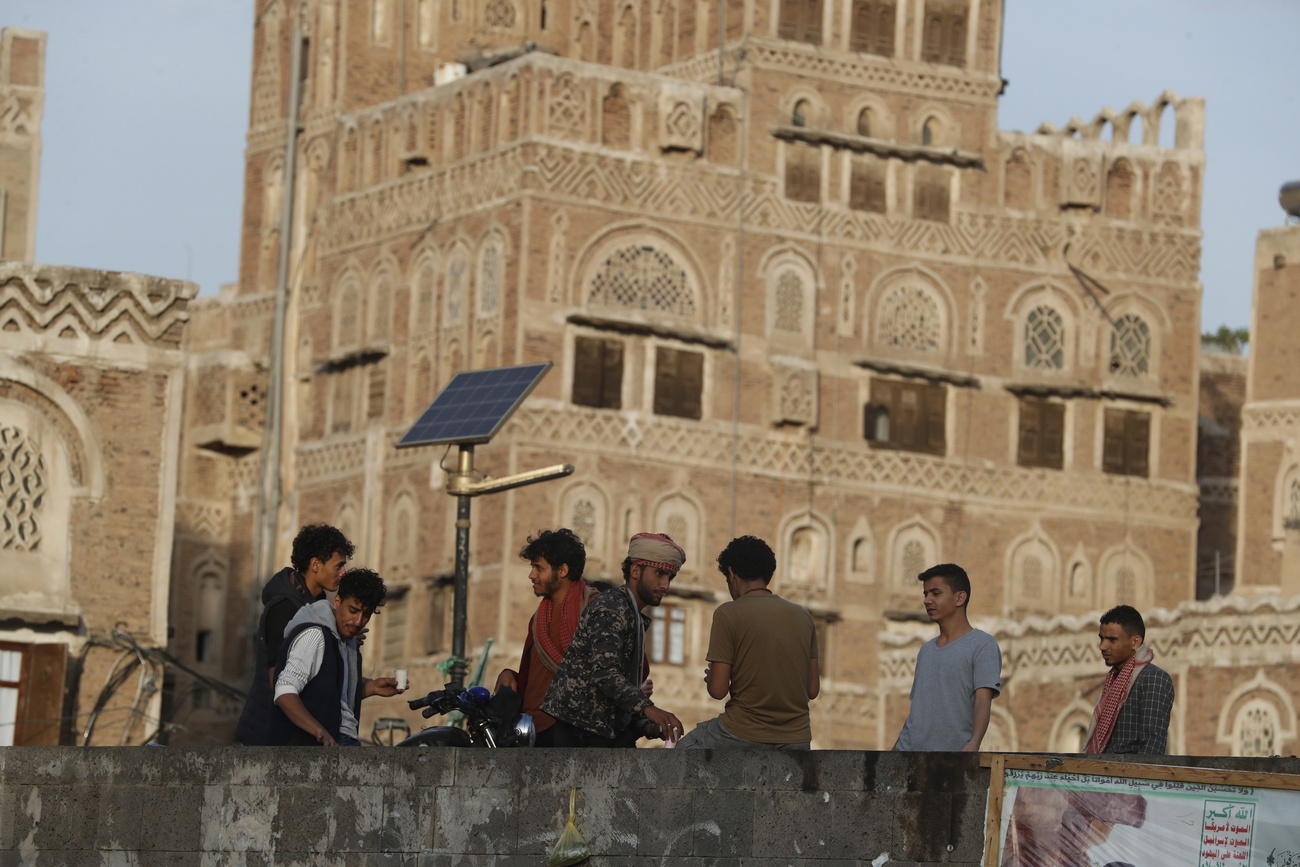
x: 647, y: 186
x: 331, y: 459
x: 681, y: 126
x: 769, y: 453
x: 208, y: 520
x: 1270, y: 422
x: 78, y: 303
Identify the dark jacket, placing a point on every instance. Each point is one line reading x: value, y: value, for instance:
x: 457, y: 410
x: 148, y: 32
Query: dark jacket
x: 285, y: 596
x: 1142, y: 727
x: 598, y: 686
x: 322, y: 696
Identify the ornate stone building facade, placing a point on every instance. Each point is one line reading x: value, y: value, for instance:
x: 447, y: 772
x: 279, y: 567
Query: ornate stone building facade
x: 794, y: 281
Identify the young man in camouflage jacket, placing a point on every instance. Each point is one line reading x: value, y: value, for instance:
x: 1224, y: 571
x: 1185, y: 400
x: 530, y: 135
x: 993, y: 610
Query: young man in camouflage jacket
x: 596, y: 697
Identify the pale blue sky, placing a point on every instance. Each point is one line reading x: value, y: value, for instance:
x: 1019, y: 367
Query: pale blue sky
x: 147, y: 105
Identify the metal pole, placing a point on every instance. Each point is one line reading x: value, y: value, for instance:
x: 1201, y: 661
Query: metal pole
x: 269, y: 523
x: 464, y: 469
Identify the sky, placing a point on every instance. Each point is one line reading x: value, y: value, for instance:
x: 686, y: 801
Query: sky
x: 146, y: 109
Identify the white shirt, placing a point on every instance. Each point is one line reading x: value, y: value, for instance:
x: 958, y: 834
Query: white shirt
x: 302, y: 663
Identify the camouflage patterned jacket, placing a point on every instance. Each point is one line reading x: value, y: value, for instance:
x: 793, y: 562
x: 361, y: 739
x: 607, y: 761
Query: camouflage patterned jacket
x: 598, y: 686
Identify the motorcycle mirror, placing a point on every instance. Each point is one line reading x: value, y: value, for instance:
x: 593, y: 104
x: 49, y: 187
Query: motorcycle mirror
x: 525, y: 732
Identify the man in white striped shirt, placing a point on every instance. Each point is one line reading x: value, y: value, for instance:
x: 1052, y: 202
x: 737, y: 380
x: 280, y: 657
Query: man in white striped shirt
x: 318, y: 682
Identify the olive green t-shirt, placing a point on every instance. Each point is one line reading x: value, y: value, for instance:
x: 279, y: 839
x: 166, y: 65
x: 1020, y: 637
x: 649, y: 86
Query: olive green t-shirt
x: 768, y: 642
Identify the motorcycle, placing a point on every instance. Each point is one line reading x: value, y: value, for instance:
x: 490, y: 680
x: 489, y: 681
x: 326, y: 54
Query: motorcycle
x: 491, y: 721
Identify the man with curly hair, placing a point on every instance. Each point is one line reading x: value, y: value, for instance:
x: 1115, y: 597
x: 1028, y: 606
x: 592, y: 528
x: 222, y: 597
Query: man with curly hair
x: 318, y: 682
x: 556, y: 559
x: 318, y: 556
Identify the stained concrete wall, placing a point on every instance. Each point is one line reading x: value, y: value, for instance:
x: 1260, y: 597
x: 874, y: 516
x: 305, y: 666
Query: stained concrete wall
x: 231, y: 806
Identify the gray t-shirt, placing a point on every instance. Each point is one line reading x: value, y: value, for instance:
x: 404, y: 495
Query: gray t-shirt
x: 943, y: 691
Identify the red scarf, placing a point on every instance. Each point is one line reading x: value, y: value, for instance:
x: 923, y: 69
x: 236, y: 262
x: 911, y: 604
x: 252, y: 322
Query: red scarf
x: 567, y: 612
x: 1113, y: 695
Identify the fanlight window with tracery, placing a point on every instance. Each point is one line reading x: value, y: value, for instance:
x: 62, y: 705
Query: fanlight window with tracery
x: 1044, y: 339
x: 641, y: 277
x: 1130, y: 346
x: 1256, y: 730
x: 909, y: 319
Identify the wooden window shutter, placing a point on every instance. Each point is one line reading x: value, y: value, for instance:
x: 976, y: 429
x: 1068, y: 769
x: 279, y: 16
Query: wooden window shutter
x: 909, y: 414
x: 1052, y: 416
x: 1113, y: 438
x: 611, y: 394
x: 679, y: 381
x: 936, y: 413
x: 40, y: 705
x: 791, y: 22
x: 690, y: 369
x: 883, y: 34
x: 1031, y: 434
x: 812, y: 22
x: 588, y: 368
x: 1137, y: 438
x: 860, y: 31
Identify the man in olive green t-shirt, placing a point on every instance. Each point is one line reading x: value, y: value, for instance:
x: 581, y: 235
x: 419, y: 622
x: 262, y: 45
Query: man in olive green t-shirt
x: 763, y: 653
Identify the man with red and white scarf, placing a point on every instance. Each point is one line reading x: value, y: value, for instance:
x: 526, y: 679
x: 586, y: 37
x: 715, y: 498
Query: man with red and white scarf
x: 556, y: 559
x: 1132, y: 713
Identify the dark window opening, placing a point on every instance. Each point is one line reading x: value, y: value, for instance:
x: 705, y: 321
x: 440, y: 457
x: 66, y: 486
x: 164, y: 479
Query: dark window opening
x: 1042, y: 434
x: 679, y: 382
x: 911, y: 416
x: 202, y: 645
x: 1126, y: 442
x: 598, y: 372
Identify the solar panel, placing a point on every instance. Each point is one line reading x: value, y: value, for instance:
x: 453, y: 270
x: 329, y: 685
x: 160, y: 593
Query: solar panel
x: 474, y: 405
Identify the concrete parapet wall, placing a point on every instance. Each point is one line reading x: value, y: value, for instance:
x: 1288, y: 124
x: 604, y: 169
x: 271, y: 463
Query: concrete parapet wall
x: 224, y: 806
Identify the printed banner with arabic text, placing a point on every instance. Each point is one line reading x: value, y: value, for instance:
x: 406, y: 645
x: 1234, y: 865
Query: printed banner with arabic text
x: 1054, y: 819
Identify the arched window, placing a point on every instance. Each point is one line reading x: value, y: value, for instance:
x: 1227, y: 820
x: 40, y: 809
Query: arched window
x: 453, y: 307
x: 930, y: 131
x: 799, y: 116
x: 616, y: 119
x: 790, y: 299
x: 1044, y: 339
x: 910, y: 320
x: 641, y: 277
x: 348, y: 315
x: 807, y: 553
x: 1119, y: 190
x: 1255, y: 729
x: 426, y: 297
x: 723, y: 135
x: 1130, y: 346
x: 1018, y: 182
x: 864, y: 122
x: 489, y: 277
x: 681, y: 519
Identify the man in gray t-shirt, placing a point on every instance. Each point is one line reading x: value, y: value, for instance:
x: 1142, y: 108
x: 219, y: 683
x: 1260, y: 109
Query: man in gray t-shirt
x: 958, y: 673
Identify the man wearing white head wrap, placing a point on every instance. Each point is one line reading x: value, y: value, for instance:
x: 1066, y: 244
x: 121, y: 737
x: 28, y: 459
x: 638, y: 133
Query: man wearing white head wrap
x: 596, y: 696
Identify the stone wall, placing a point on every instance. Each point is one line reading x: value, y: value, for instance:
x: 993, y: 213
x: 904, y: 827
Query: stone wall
x: 449, y: 806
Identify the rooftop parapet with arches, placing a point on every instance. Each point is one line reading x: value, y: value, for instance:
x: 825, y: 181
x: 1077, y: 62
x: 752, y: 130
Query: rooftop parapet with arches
x: 1188, y: 117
